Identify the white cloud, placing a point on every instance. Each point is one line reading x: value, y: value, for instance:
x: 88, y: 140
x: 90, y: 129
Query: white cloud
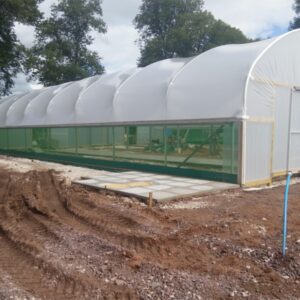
x: 117, y: 48
x: 118, y: 12
x: 256, y: 18
x: 25, y: 34
x: 21, y: 85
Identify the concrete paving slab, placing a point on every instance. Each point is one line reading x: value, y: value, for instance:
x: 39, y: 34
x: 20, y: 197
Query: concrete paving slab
x: 163, y: 196
x: 114, y: 180
x: 181, y: 191
x: 89, y: 181
x: 129, y: 176
x: 144, y: 178
x: 134, y: 173
x: 221, y: 185
x: 136, y: 191
x: 159, y: 187
x: 118, y: 181
x: 202, y: 188
x: 162, y: 177
x: 103, y: 177
x: 198, y: 181
x: 180, y: 184
x: 166, y: 182
x: 163, y: 187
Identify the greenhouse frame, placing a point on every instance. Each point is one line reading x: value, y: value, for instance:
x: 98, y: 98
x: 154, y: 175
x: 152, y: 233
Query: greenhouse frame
x: 229, y: 114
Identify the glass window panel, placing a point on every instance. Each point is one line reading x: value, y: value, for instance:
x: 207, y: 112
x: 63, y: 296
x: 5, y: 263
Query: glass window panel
x: 17, y: 139
x: 141, y: 144
x: 95, y: 141
x: 40, y: 139
x: 3, y: 139
x: 209, y: 147
x: 62, y: 140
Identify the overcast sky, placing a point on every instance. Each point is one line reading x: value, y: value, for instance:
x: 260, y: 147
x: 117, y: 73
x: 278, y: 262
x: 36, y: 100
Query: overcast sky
x: 256, y: 18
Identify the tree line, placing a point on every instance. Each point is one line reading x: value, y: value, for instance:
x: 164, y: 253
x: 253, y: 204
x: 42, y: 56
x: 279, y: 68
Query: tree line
x: 167, y: 29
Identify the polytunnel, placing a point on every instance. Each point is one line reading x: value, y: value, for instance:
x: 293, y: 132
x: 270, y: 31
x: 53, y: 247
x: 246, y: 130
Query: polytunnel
x: 230, y: 113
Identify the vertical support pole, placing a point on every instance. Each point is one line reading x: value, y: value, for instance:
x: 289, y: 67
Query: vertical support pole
x: 178, y: 142
x: 114, y: 146
x: 285, y: 213
x: 289, y: 175
x: 150, y: 139
x: 48, y: 139
x: 211, y: 130
x: 150, y: 136
x: 76, y: 140
x: 90, y: 137
x: 29, y: 136
x: 126, y: 136
x: 7, y: 139
x: 31, y: 139
x: 274, y: 109
x: 289, y: 132
x: 243, y: 152
x: 107, y: 137
x: 165, y: 145
x: 150, y: 200
x: 25, y: 136
x: 232, y: 147
x: 272, y: 151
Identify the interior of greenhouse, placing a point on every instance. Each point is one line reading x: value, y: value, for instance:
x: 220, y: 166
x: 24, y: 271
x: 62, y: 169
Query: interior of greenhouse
x: 206, y: 147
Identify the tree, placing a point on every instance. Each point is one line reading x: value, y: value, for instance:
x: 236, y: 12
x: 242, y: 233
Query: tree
x: 296, y: 22
x: 60, y: 53
x: 172, y: 28
x: 11, y: 50
x: 221, y: 33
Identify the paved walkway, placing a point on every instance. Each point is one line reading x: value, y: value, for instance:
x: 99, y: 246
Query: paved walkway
x: 163, y: 187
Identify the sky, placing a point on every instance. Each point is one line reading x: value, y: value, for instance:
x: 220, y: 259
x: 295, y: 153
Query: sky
x: 118, y: 48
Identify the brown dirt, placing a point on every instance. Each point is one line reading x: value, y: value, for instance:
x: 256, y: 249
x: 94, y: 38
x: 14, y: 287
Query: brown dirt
x: 67, y: 242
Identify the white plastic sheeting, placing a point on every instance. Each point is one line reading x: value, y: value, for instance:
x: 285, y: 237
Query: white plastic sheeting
x: 143, y: 97
x: 96, y: 104
x: 249, y: 83
x: 212, y: 85
x: 209, y: 86
x: 271, y: 82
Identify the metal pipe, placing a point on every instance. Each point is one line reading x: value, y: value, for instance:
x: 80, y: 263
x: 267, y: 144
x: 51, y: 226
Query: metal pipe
x: 285, y: 212
x: 289, y: 132
x: 289, y: 175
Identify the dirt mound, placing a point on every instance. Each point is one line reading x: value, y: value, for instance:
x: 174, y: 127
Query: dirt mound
x: 59, y: 242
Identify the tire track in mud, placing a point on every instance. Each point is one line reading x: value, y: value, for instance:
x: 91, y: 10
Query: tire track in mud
x: 36, y: 205
x: 22, y: 232
x: 125, y: 231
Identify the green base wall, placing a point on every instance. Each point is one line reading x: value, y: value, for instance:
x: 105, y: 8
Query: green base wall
x: 116, y: 166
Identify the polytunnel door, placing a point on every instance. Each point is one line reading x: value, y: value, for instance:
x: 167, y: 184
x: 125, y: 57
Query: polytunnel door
x: 294, y: 160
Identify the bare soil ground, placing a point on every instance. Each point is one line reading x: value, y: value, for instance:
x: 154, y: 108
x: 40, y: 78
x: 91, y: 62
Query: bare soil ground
x: 62, y: 241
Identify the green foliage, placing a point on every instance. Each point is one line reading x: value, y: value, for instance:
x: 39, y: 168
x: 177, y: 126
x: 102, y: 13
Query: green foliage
x: 60, y: 52
x: 296, y: 22
x: 221, y: 33
x: 11, y: 51
x: 180, y: 28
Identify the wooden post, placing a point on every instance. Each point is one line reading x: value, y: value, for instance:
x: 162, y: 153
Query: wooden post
x: 150, y: 200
